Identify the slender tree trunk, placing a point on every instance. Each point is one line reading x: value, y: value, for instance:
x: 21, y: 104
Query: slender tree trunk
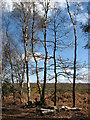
x: 74, y: 75
x: 17, y: 78
x: 21, y: 83
x: 45, y: 64
x: 75, y: 53
x: 26, y: 63
x: 1, y: 59
x: 1, y: 69
x: 12, y: 75
x: 12, y: 81
x: 11, y: 64
x: 55, y: 67
x: 38, y: 83
x: 46, y: 52
x: 28, y: 83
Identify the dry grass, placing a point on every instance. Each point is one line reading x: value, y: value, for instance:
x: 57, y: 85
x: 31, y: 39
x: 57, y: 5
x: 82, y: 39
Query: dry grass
x: 63, y: 99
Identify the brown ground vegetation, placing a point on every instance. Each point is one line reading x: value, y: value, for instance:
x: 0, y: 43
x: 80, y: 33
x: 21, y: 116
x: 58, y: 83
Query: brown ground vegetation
x: 17, y: 112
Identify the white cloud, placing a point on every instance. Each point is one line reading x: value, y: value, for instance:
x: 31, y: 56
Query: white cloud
x: 81, y: 7
x: 81, y: 78
x: 78, y: 1
x: 82, y: 81
x: 8, y: 5
x: 70, y: 80
x: 82, y: 70
x: 69, y: 71
x: 39, y: 56
x: 83, y: 17
x: 61, y: 3
x: 62, y: 79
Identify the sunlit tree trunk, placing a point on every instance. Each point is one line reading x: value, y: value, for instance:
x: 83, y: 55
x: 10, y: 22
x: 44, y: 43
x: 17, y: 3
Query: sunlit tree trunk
x: 23, y: 16
x: 26, y: 63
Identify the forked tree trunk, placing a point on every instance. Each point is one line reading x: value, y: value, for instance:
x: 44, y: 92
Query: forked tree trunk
x: 45, y: 68
x: 46, y: 53
x: 38, y: 83
x: 36, y: 62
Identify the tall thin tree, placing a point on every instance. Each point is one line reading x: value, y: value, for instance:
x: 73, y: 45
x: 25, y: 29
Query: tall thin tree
x: 33, y: 53
x: 45, y: 5
x: 75, y: 52
x: 22, y: 12
x: 10, y: 60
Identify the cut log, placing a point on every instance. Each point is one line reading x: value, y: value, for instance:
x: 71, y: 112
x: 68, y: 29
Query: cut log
x: 69, y: 108
x: 46, y: 109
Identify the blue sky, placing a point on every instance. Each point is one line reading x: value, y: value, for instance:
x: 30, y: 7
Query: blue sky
x: 82, y: 53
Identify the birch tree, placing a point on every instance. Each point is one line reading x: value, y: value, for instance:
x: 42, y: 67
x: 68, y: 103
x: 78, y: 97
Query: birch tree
x: 23, y: 17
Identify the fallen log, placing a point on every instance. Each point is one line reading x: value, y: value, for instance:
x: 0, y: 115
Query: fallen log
x: 70, y: 108
x: 46, y: 109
